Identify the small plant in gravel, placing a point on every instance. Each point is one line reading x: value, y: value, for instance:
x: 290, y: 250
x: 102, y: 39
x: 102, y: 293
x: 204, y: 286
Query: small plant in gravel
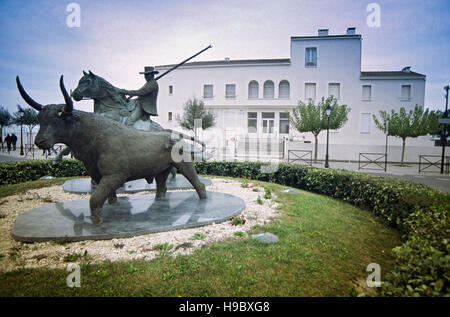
x: 2, y: 255
x: 14, y: 253
x: 73, y: 257
x: 268, y: 193
x: 198, y: 236
x: 163, y: 248
x: 47, y: 199
x: 259, y: 200
x: 239, y: 234
x: 255, y: 189
x: 237, y: 221
x: 244, y: 184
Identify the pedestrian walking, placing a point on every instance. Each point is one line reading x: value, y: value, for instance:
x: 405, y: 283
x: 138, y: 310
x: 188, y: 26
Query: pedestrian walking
x: 14, y: 141
x: 8, y: 142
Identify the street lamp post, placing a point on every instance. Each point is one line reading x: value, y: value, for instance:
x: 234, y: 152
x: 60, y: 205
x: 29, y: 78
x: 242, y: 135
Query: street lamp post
x: 21, y: 138
x: 385, y: 152
x: 444, y: 133
x: 328, y: 112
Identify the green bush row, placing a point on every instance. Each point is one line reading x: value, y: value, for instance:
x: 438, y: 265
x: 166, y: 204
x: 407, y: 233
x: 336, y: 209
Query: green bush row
x: 24, y: 171
x: 419, y: 212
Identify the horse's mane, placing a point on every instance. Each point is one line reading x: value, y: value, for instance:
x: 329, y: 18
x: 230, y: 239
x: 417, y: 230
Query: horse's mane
x: 106, y: 85
x: 110, y: 89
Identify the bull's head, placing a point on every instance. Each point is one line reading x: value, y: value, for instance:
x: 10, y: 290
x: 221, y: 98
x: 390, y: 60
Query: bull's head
x: 55, y: 121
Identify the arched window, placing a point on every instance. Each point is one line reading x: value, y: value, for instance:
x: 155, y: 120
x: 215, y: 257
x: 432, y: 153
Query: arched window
x: 253, y: 89
x: 269, y: 89
x: 284, y: 89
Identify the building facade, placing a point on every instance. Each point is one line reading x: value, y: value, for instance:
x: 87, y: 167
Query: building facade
x: 252, y: 99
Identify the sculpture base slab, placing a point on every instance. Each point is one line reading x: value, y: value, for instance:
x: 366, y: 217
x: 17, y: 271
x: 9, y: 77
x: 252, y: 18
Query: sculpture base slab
x: 83, y: 185
x: 128, y: 217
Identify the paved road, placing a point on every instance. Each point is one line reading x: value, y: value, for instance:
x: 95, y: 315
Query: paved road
x: 439, y: 182
x: 432, y: 177
x: 4, y: 157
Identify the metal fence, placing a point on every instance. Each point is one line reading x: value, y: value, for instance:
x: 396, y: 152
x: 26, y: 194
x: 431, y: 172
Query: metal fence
x: 429, y: 162
x: 295, y: 156
x: 372, y: 161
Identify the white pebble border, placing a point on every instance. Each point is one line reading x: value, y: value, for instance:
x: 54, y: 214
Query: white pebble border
x: 15, y: 254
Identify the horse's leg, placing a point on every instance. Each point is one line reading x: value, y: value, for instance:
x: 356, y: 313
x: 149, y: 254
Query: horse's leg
x: 134, y: 116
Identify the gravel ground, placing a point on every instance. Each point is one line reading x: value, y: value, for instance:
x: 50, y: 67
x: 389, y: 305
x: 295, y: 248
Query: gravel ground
x: 15, y: 254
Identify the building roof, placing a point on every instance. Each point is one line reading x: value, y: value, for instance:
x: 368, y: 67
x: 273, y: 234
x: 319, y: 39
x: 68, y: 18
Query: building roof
x: 325, y: 37
x: 390, y: 74
x: 240, y: 62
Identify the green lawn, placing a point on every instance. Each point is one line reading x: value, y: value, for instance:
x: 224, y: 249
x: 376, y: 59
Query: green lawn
x: 325, y: 246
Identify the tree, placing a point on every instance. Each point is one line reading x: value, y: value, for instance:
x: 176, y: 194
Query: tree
x: 312, y: 118
x: 26, y: 117
x: 194, y: 110
x: 5, y: 120
x: 415, y: 123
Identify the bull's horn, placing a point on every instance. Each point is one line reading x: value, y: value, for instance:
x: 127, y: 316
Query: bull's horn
x: 69, y: 103
x: 84, y: 73
x: 27, y: 98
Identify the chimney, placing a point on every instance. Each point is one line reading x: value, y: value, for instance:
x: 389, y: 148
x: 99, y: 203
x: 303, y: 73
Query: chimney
x: 406, y: 69
x: 323, y: 32
x: 351, y: 31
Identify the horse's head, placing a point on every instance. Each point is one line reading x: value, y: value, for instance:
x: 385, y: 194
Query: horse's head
x: 89, y: 86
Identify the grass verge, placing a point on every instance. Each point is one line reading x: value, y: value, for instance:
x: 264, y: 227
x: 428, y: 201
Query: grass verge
x: 324, y: 248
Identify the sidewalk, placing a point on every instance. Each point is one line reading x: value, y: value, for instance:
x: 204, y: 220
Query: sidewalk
x: 15, y: 155
x: 429, y: 175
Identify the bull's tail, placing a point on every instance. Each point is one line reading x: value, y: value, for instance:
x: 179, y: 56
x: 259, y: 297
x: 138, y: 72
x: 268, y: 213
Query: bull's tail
x: 202, y: 154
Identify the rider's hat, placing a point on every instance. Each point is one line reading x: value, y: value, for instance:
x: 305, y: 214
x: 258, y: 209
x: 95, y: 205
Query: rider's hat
x: 149, y: 70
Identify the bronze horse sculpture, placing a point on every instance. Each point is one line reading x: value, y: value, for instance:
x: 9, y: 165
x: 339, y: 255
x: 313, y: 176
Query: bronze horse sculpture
x: 113, y: 153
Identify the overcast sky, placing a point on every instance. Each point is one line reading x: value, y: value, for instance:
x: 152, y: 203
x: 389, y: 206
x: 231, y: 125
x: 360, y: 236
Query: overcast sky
x: 116, y: 39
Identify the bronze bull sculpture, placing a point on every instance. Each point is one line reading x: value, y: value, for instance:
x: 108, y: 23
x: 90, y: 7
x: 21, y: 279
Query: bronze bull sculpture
x: 112, y: 152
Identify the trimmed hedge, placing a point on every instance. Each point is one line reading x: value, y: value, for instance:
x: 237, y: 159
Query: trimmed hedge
x: 24, y: 171
x: 419, y: 212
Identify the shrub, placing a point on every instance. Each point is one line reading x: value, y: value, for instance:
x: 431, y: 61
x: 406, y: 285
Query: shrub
x: 24, y: 171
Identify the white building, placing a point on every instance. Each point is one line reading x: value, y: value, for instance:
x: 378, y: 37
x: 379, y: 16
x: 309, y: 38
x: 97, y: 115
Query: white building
x: 251, y: 98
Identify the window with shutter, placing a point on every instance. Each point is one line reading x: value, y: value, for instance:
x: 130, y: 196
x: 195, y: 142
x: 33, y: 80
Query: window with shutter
x: 207, y: 91
x: 311, y: 56
x: 365, y: 122
x: 334, y: 89
x: 252, y: 122
x: 406, y: 92
x: 230, y: 91
x: 366, y: 92
x: 284, y: 89
x: 310, y: 91
x: 269, y: 89
x: 253, y: 89
x: 284, y: 122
